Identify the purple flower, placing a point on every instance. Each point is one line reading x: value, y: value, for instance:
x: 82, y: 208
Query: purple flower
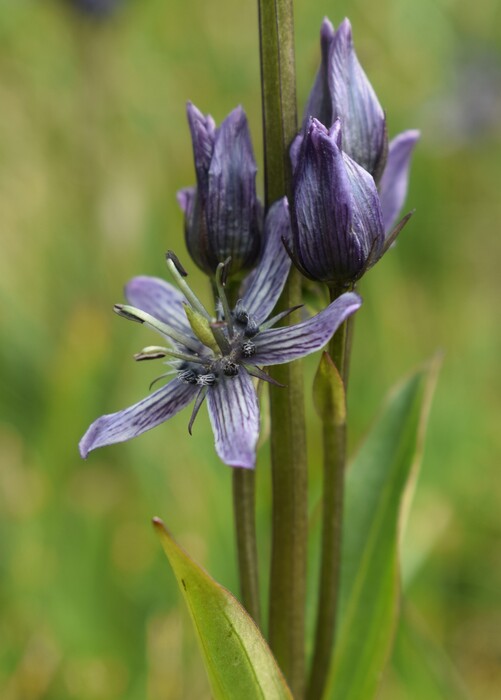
x: 343, y: 91
x: 96, y: 7
x: 337, y: 223
x: 215, y: 359
x: 223, y: 216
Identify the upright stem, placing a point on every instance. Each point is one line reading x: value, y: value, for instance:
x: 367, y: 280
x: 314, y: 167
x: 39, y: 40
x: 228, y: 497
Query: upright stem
x: 288, y: 443
x: 334, y: 459
x: 245, y: 527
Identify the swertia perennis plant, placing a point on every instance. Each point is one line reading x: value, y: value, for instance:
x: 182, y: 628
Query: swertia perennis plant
x: 334, y: 189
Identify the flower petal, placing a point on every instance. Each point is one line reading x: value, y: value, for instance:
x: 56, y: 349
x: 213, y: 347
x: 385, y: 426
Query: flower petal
x: 395, y: 179
x: 355, y: 103
x: 232, y: 210
x: 203, y: 129
x: 279, y: 345
x: 137, y: 419
x: 319, y: 102
x: 234, y: 416
x: 160, y: 299
x: 264, y: 285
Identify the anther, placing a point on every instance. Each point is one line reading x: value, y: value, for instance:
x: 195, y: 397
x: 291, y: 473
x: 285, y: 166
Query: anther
x: 206, y: 379
x: 188, y: 376
x: 230, y: 369
x: 248, y: 349
x: 251, y: 328
x: 172, y: 256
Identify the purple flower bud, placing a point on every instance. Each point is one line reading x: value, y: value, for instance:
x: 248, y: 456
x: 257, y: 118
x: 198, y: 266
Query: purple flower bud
x: 337, y: 224
x: 97, y: 8
x: 343, y: 91
x: 223, y: 216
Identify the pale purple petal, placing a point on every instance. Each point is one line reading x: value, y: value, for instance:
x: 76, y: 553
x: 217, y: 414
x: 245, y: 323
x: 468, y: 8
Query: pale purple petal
x: 279, y: 345
x: 395, y: 179
x: 319, y: 102
x: 268, y: 279
x: 160, y: 299
x: 233, y: 214
x: 137, y: 419
x: 295, y: 150
x: 203, y: 129
x: 355, y: 103
x: 234, y: 416
x: 186, y: 199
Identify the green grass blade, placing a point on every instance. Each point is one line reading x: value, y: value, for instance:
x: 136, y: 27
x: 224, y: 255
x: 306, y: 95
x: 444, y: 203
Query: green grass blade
x: 378, y: 488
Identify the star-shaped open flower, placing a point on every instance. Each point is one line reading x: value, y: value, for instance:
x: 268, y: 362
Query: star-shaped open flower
x: 216, y: 358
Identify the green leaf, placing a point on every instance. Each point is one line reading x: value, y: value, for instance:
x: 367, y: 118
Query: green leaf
x: 378, y: 491
x: 237, y: 659
x: 420, y: 665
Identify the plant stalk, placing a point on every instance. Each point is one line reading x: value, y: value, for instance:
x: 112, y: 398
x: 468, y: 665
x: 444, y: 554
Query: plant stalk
x: 334, y: 464
x: 288, y: 442
x: 245, y: 528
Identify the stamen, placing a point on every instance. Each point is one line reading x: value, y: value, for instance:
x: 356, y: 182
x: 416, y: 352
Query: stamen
x: 179, y: 273
x: 133, y: 314
x: 152, y: 352
x: 221, y: 271
x: 207, y: 379
x: 240, y: 314
x: 230, y: 369
x: 188, y: 376
x: 248, y: 349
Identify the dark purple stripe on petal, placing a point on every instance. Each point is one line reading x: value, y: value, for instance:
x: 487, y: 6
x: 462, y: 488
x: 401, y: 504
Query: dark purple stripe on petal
x: 395, y: 179
x: 137, y: 419
x: 268, y: 279
x: 160, y: 299
x: 279, y: 345
x: 234, y: 416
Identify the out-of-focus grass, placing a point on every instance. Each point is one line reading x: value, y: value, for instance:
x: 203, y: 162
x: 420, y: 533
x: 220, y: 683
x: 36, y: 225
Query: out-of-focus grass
x: 93, y: 146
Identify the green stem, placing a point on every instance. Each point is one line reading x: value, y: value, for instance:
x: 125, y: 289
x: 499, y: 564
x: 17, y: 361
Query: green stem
x: 288, y: 442
x: 334, y: 461
x: 245, y: 528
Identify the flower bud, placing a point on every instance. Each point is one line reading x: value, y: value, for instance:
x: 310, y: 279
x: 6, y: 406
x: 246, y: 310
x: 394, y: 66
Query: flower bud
x: 343, y: 91
x: 222, y: 213
x: 337, y: 225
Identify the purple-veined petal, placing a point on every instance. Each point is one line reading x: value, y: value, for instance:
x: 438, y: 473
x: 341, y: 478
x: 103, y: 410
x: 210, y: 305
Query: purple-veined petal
x: 186, y: 198
x: 233, y: 215
x: 295, y: 150
x: 319, y: 102
x: 356, y: 104
x: 160, y: 299
x: 203, y: 129
x: 234, y: 416
x: 395, y: 179
x: 131, y: 422
x: 266, y: 282
x: 367, y: 215
x: 279, y: 345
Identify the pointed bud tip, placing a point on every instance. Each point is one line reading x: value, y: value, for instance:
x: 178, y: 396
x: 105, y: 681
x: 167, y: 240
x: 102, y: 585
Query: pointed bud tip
x: 326, y: 30
x: 157, y: 523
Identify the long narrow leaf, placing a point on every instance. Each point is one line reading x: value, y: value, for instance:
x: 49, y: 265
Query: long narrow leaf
x: 237, y: 659
x: 378, y: 489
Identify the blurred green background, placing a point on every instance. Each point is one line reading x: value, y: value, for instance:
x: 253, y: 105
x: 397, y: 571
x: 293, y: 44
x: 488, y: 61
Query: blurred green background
x: 93, y: 146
